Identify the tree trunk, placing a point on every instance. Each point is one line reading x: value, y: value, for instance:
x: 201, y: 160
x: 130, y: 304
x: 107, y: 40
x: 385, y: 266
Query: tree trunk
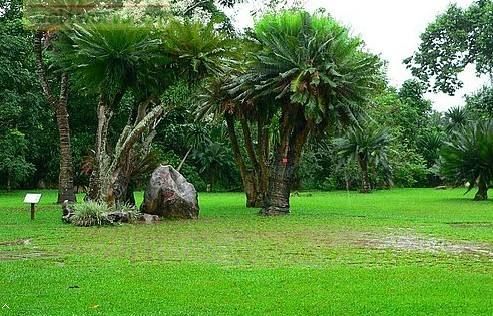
x: 263, y: 157
x: 118, y: 192
x: 254, y: 157
x: 247, y: 177
x: 66, y: 190
x: 95, y: 181
x: 253, y: 198
x: 130, y: 148
x: 59, y: 106
x: 294, y: 133
x: 9, y: 187
x: 277, y: 195
x: 482, y: 194
x: 365, y: 178
x: 182, y: 162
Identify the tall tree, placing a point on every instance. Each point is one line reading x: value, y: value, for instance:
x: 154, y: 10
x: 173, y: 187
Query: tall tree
x: 312, y: 72
x: 242, y: 122
x: 118, y: 57
x: 54, y: 86
x: 457, y: 38
x: 110, y: 58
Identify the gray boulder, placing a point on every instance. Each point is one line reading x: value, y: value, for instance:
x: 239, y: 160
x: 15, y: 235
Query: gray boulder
x: 170, y: 195
x: 149, y: 219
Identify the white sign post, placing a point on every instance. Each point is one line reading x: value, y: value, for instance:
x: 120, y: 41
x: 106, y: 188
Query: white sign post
x: 32, y: 199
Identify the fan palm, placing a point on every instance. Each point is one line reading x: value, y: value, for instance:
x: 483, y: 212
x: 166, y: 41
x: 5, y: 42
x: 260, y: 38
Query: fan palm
x: 312, y: 72
x: 456, y: 118
x: 367, y: 146
x: 197, y: 50
x: 112, y: 56
x: 468, y: 157
x: 431, y: 142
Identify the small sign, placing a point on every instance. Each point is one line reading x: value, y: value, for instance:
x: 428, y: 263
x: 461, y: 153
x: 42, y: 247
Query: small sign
x: 32, y: 198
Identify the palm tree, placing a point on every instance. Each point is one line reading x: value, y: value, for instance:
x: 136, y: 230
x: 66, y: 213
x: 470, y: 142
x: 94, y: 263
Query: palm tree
x: 218, y: 103
x: 431, y: 142
x: 115, y: 57
x: 468, y: 157
x: 110, y: 58
x: 456, y: 118
x: 368, y: 146
x: 309, y: 70
x: 58, y: 103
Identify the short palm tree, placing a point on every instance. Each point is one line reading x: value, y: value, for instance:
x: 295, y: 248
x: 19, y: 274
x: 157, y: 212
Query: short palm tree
x: 214, y: 160
x: 309, y: 70
x: 368, y: 146
x: 468, y: 157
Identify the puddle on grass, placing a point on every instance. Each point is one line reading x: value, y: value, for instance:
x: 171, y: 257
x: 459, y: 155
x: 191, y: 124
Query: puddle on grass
x: 18, y: 242
x: 426, y: 244
x: 470, y: 224
x: 23, y: 255
x: 21, y: 249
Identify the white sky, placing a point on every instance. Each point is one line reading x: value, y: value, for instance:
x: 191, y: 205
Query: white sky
x: 390, y: 28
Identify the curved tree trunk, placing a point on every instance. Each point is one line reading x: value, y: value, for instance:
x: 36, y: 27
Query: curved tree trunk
x: 482, y: 194
x: 256, y: 174
x: 134, y: 144
x: 59, y: 105
x: 247, y: 178
x: 104, y: 117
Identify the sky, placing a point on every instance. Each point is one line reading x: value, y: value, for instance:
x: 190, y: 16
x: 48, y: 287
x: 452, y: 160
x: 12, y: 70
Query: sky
x: 390, y: 28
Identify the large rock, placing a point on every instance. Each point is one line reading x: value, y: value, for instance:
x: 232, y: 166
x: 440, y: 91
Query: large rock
x: 170, y: 195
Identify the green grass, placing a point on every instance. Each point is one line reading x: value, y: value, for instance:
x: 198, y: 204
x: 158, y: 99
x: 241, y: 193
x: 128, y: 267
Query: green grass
x: 399, y: 252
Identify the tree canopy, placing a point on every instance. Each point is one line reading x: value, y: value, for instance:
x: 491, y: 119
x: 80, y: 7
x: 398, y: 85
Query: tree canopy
x: 457, y: 38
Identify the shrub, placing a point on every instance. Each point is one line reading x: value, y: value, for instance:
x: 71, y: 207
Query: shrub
x: 90, y: 214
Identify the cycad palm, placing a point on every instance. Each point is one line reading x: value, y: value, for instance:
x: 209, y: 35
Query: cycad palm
x: 456, y: 118
x: 110, y: 57
x: 115, y: 57
x: 468, y: 157
x: 368, y: 146
x: 313, y: 72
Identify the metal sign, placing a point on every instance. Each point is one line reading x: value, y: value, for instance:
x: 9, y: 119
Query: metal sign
x: 32, y: 198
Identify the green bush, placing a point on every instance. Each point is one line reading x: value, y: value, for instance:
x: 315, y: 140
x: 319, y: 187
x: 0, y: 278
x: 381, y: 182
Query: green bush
x: 90, y: 214
x: 409, y: 168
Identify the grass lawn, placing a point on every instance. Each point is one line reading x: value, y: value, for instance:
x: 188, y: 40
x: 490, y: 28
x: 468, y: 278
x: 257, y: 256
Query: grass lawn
x: 399, y: 252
